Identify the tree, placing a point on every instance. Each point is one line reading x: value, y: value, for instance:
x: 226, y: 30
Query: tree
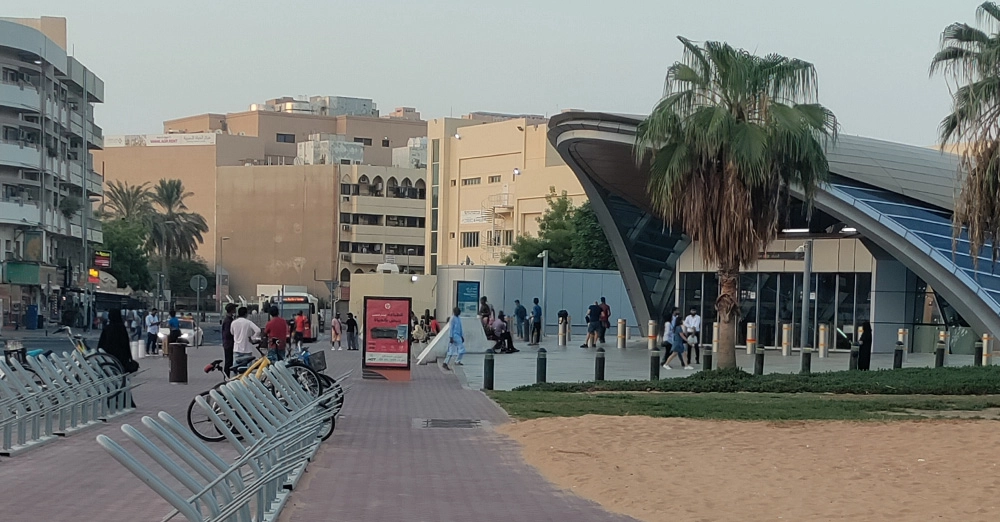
x: 590, y: 248
x: 127, y: 242
x: 181, y: 272
x: 69, y: 206
x: 733, y: 133
x: 175, y: 232
x: 971, y: 58
x: 124, y: 201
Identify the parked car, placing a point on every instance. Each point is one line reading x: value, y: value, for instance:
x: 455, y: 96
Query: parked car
x: 191, y: 333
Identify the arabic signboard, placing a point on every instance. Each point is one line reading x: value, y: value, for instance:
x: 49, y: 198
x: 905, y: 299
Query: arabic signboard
x: 159, y: 140
x: 473, y: 217
x: 467, y: 297
x: 787, y: 256
x: 386, y: 332
x: 102, y: 259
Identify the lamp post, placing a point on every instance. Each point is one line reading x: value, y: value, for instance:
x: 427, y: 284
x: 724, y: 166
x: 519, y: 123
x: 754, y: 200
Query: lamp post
x: 409, y: 252
x: 544, y: 256
x: 218, y: 275
x: 806, y: 249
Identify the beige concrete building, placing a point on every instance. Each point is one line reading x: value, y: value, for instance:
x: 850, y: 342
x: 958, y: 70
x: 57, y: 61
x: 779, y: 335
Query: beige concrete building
x: 488, y: 185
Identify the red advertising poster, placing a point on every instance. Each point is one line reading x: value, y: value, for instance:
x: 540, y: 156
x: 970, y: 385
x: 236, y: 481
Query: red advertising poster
x: 387, y: 332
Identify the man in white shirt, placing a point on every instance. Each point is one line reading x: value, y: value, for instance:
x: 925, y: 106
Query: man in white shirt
x: 244, y: 332
x: 692, y: 327
x: 152, y: 329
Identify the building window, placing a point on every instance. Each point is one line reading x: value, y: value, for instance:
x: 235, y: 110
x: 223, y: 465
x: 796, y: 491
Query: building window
x: 508, y: 237
x: 285, y: 138
x: 345, y: 162
x: 434, y: 242
x: 470, y: 239
x: 494, y: 179
x: 435, y: 151
x: 453, y: 183
x: 385, y: 142
x: 367, y: 142
x: 9, y: 75
x: 434, y: 219
x: 471, y: 181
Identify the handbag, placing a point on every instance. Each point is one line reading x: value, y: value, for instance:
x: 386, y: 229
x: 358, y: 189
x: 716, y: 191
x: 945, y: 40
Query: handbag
x: 131, y: 366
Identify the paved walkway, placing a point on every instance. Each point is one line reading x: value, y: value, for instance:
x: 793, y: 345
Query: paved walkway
x: 381, y: 464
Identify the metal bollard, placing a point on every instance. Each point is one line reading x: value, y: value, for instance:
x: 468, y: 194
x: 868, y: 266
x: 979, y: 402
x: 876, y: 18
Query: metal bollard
x: 824, y: 334
x: 562, y: 333
x: 786, y: 339
x: 978, y: 359
x: 987, y: 349
x: 751, y: 337
x: 488, y: 370
x: 758, y: 361
x: 599, y: 365
x: 715, y: 337
x: 706, y: 360
x: 939, y: 352
x: 651, y: 335
x: 622, y: 328
x: 852, y: 364
x: 806, y: 356
x: 569, y: 328
x: 540, y: 366
x: 897, y: 357
x: 654, y: 365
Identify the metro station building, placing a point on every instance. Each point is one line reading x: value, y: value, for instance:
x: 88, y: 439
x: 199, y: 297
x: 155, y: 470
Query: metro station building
x: 881, y: 230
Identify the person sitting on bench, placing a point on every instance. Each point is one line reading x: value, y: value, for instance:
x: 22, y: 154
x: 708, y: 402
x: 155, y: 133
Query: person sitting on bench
x: 505, y: 343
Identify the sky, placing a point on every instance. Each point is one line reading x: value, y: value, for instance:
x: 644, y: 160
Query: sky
x: 164, y: 60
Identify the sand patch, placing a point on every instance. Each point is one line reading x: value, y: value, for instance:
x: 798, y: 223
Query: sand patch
x: 685, y: 469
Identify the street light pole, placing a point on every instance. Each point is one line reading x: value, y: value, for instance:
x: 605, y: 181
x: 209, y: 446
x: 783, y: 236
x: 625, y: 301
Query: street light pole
x: 807, y: 249
x: 545, y: 272
x: 218, y: 275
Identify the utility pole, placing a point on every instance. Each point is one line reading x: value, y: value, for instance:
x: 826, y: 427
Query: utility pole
x: 82, y: 107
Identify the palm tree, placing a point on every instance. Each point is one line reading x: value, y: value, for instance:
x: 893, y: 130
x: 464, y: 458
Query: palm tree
x: 175, y: 232
x: 124, y: 201
x: 971, y: 58
x: 733, y: 133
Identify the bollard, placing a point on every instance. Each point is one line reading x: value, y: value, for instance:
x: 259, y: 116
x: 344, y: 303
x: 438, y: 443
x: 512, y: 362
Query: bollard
x: 599, y: 365
x: 651, y: 335
x: 142, y: 348
x: 178, y: 363
x: 806, y: 356
x: 134, y: 348
x: 897, y: 357
x: 654, y: 365
x: 758, y: 361
x: 569, y: 328
x: 540, y: 366
x: 562, y: 332
x: 852, y: 364
x: 488, y: 370
x: 622, y: 328
x: 706, y: 360
x: 987, y: 349
x: 751, y: 337
x: 715, y: 337
x: 939, y: 352
x: 824, y: 334
x: 978, y: 359
x: 786, y: 339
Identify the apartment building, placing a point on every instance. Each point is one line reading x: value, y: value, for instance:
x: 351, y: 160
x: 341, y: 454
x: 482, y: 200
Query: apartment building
x: 488, y: 179
x: 47, y: 178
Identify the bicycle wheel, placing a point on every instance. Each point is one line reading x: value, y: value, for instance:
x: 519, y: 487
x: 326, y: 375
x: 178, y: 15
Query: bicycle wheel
x: 108, y: 366
x: 307, y: 378
x: 330, y: 424
x: 200, y: 423
x: 330, y: 383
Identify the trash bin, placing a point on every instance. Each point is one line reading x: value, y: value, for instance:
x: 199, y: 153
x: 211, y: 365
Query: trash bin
x: 178, y: 363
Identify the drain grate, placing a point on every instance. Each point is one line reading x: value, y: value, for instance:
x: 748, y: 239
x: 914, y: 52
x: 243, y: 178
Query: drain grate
x: 451, y: 423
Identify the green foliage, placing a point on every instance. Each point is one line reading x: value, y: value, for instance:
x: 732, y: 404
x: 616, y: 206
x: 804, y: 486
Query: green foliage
x: 181, y: 272
x: 746, y: 406
x: 906, y: 381
x: 124, y: 201
x: 571, y: 234
x: 176, y: 232
x: 129, y: 264
x: 69, y: 206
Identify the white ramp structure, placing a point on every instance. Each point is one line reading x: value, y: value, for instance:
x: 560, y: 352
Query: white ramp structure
x: 475, y: 340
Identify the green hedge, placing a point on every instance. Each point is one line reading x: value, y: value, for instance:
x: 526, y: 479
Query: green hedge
x: 907, y: 381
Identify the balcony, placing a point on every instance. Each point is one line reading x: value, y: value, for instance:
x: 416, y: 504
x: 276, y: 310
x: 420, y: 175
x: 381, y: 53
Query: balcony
x: 20, y: 96
x: 364, y: 259
x: 19, y: 154
x: 19, y: 213
x: 377, y: 259
x: 380, y: 205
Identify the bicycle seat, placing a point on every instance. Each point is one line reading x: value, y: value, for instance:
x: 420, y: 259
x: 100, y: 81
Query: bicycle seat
x: 214, y: 365
x: 37, y: 351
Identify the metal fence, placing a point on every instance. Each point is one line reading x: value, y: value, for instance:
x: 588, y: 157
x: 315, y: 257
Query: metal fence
x: 276, y: 428
x: 47, y: 397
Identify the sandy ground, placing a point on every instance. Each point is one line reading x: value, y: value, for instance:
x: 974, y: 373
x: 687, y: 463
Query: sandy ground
x: 693, y: 470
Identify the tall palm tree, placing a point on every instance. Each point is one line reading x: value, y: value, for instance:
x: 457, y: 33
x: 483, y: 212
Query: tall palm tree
x: 175, y: 232
x: 970, y: 57
x: 731, y: 135
x: 125, y: 201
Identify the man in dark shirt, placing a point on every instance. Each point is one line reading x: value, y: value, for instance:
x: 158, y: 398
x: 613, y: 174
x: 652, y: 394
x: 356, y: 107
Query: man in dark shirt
x: 521, y: 318
x: 593, y: 324
x: 276, y: 331
x: 352, y: 332
x: 228, y: 341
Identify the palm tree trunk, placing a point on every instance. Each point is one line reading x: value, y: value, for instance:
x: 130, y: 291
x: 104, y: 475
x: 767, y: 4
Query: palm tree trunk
x: 727, y: 304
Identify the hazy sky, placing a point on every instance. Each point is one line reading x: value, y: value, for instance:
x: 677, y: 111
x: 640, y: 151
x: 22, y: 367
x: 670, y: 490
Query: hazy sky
x: 162, y: 60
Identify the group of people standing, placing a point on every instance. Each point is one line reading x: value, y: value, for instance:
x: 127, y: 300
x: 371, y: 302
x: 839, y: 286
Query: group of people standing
x: 344, y: 332
x: 598, y: 321
x: 682, y: 336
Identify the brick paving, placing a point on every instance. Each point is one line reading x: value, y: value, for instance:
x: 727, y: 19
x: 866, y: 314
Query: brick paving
x: 377, y: 466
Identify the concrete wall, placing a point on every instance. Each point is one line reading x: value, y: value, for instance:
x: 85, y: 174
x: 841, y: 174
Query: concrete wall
x: 282, y: 225
x: 329, y: 152
x: 423, y: 290
x: 572, y: 290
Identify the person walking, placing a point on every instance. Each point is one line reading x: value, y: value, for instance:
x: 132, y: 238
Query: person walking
x: 335, y: 332
x: 677, y: 340
x: 593, y: 325
x: 521, y: 318
x: 605, y: 319
x: 115, y: 340
x: 228, y: 341
x: 300, y: 329
x: 536, y: 324
x: 152, y: 331
x: 865, y: 347
x: 692, y: 330
x: 352, y: 332
x: 276, y: 331
x: 456, y: 341
x: 244, y: 333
